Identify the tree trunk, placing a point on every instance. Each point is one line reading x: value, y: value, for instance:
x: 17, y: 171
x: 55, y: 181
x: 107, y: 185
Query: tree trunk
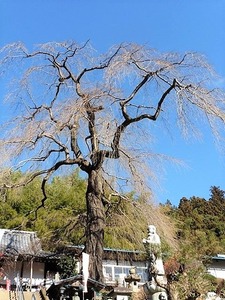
x: 95, y: 224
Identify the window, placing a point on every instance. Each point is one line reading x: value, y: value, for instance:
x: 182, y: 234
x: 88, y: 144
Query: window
x: 108, y: 273
x: 115, y: 272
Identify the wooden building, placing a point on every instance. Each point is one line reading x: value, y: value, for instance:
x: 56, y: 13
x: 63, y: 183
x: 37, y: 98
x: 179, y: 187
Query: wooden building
x: 22, y: 260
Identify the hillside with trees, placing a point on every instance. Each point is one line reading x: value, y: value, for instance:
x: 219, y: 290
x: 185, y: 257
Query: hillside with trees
x: 200, y: 229
x: 196, y: 224
x: 62, y: 220
x: 201, y: 222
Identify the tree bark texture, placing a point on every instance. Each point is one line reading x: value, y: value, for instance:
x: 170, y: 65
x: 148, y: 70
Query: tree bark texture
x: 95, y: 224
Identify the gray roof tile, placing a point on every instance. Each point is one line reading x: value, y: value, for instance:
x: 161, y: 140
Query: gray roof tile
x: 15, y: 242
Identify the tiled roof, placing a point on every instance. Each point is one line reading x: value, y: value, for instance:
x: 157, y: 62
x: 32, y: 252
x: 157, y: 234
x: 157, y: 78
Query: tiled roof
x: 15, y: 242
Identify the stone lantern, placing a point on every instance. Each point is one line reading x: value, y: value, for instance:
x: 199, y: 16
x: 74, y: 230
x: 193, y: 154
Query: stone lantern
x: 132, y: 279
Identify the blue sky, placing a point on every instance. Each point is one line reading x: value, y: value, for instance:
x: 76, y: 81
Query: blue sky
x: 168, y: 25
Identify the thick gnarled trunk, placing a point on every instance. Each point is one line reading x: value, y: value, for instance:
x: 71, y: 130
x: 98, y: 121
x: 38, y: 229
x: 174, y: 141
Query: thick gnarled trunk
x: 95, y: 224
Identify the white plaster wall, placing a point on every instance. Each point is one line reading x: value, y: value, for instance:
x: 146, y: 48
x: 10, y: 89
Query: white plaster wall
x: 37, y: 272
x: 217, y: 268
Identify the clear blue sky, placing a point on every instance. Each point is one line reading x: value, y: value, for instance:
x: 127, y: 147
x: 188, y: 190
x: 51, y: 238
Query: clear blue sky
x: 168, y: 25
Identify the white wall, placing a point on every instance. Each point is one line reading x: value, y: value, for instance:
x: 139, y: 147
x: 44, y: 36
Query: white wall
x: 217, y: 268
x: 12, y: 271
x: 34, y: 270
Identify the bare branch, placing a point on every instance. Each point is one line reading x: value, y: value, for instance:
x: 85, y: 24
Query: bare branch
x: 75, y: 107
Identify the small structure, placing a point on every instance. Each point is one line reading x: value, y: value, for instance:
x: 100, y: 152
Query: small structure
x: 133, y: 280
x: 216, y: 266
x: 212, y: 296
x: 21, y: 258
x: 156, y: 284
x: 76, y: 296
x: 120, y: 293
x: 125, y: 289
x: 72, y: 288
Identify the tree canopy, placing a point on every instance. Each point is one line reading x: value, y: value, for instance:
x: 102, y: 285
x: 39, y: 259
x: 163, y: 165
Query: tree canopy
x: 75, y: 107
x: 200, y: 234
x: 202, y: 222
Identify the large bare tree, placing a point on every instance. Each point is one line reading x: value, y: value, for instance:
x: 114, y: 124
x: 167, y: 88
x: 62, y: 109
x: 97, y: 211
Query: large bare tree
x: 74, y: 107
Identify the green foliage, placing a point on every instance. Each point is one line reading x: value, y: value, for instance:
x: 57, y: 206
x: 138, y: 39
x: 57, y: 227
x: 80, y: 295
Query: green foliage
x: 67, y: 267
x: 125, y: 229
x: 16, y: 204
x: 193, y: 282
x: 62, y: 220
x: 200, y: 223
x: 200, y: 231
x: 55, y: 222
x: 66, y: 210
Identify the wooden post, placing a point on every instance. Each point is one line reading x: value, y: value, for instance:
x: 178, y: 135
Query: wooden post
x: 31, y: 273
